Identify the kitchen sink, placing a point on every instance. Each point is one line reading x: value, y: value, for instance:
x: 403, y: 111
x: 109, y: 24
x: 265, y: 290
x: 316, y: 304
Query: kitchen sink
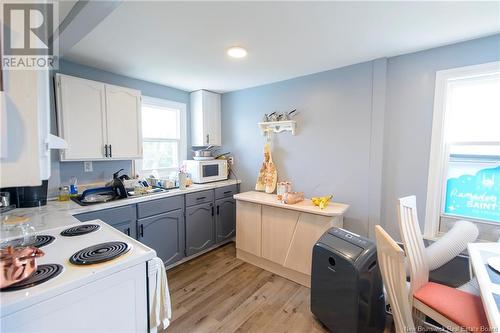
x: 111, y: 196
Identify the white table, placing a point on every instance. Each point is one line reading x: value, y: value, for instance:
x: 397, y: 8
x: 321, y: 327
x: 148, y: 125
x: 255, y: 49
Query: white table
x: 488, y: 279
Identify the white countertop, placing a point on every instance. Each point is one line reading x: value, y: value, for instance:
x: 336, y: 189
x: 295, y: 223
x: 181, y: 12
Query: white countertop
x: 56, y: 214
x: 306, y: 206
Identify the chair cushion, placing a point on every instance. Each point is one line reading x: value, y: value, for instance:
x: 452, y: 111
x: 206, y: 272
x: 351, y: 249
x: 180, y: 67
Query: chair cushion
x: 458, y: 306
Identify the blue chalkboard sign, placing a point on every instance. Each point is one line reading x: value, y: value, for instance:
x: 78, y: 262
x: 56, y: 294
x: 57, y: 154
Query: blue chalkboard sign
x: 476, y: 196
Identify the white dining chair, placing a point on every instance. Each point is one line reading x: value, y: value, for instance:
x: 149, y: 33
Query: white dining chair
x: 439, y: 252
x: 442, y: 303
x: 455, y: 310
x: 391, y: 260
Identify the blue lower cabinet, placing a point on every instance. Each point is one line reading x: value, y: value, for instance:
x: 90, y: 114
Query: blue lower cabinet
x: 128, y: 228
x: 122, y: 218
x: 165, y: 234
x: 200, y: 228
x: 225, y: 219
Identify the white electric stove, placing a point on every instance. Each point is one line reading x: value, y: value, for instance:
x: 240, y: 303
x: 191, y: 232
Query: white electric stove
x: 106, y: 287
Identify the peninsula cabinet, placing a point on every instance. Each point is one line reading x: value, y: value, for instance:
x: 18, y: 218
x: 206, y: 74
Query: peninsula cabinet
x: 98, y: 121
x: 279, y: 237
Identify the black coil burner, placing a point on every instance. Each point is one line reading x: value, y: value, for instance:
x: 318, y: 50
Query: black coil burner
x: 99, y: 253
x: 41, y: 240
x: 80, y: 230
x: 43, y: 273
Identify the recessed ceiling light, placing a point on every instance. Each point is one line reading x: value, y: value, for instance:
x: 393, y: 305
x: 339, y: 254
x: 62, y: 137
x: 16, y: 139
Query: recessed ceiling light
x: 237, y: 52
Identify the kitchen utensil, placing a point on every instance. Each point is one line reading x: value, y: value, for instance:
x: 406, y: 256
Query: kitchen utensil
x: 271, y: 176
x: 95, y: 195
x: 291, y: 198
x: 260, y: 185
x: 280, y: 190
x: 14, y: 226
x: 98, y: 197
x: 220, y: 155
x: 4, y: 199
x: 117, y: 185
x: 201, y: 158
x: 17, y: 264
x: 182, y: 180
x: 206, y: 152
x: 73, y: 188
x: 268, y: 175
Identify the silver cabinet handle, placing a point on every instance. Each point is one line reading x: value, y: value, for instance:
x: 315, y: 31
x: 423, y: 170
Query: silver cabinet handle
x: 110, y: 151
x: 208, y: 138
x: 105, y: 150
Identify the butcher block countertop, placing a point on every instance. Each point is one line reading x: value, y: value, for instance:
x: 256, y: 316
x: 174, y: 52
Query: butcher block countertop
x: 306, y: 206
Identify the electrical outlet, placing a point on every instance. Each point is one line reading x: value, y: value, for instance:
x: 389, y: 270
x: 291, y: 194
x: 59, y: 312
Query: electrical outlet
x: 230, y: 160
x: 87, y: 166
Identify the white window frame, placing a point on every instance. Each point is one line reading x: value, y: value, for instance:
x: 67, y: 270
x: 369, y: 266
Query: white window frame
x: 437, y: 161
x: 183, y: 133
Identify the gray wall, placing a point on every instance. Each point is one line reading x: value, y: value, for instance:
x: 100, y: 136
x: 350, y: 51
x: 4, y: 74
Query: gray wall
x: 408, y: 118
x: 330, y: 152
x: 363, y: 131
x: 63, y: 171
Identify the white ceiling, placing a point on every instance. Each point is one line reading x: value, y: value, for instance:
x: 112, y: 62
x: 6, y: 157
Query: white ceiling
x: 182, y: 44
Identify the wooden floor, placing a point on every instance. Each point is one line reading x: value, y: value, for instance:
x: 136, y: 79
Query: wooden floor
x: 219, y: 293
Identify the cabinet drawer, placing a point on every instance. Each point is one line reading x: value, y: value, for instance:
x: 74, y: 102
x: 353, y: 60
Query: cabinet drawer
x: 111, y: 216
x: 226, y: 191
x: 199, y: 197
x: 159, y: 206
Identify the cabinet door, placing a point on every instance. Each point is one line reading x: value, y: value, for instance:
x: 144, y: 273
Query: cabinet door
x: 165, y: 234
x: 225, y: 220
x: 211, y: 118
x: 123, y: 120
x: 205, y: 118
x: 81, y: 117
x: 249, y: 227
x: 128, y: 228
x: 200, y: 233
x: 122, y: 218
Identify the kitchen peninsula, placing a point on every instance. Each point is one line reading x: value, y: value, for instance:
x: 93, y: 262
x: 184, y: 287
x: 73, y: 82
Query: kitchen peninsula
x: 279, y: 237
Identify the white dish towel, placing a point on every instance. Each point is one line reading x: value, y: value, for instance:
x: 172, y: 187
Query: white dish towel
x: 161, y: 309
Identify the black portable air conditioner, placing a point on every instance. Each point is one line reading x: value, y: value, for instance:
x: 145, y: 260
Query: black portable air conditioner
x: 346, y: 286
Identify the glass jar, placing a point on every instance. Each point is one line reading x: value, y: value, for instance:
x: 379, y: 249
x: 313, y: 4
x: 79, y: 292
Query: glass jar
x: 18, y: 228
x: 280, y: 190
x: 64, y: 193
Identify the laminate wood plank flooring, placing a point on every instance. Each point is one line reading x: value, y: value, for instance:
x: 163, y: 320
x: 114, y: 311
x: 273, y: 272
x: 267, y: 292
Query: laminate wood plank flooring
x: 218, y: 293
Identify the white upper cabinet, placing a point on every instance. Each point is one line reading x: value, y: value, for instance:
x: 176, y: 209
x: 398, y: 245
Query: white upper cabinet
x: 205, y: 118
x: 81, y: 117
x: 123, y: 119
x: 98, y: 121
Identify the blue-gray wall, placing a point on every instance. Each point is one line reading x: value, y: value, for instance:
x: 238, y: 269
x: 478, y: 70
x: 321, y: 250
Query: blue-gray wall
x: 61, y: 172
x: 330, y: 152
x: 408, y: 118
x: 363, y: 131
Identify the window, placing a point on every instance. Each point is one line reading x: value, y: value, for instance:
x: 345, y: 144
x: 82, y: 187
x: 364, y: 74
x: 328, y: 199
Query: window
x: 163, y: 137
x: 464, y: 168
